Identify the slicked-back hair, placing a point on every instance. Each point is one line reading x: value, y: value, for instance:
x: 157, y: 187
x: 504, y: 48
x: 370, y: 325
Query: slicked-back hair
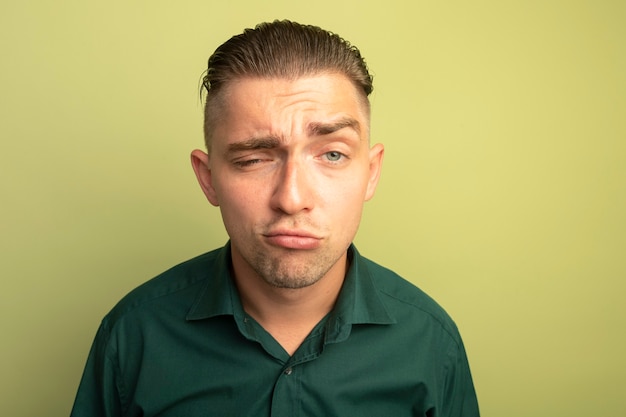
x: 280, y: 49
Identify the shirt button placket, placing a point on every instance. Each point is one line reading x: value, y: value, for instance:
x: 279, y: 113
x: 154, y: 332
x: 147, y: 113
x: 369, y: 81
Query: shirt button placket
x: 286, y: 398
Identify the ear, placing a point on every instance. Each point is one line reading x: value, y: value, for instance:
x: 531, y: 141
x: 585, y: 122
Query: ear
x: 376, y: 155
x: 200, y: 164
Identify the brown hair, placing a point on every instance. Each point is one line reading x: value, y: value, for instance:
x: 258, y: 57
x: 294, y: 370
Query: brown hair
x: 280, y: 49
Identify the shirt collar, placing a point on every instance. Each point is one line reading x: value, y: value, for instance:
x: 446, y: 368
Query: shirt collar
x: 219, y: 296
x: 358, y: 301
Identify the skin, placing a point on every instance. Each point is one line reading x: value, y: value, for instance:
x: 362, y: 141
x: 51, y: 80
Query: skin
x: 290, y: 168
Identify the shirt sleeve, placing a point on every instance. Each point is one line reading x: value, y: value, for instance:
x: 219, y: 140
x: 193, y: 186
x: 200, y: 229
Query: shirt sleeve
x: 459, y: 396
x: 99, y: 390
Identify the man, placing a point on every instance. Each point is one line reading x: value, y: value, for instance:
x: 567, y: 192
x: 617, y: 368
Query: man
x: 287, y: 319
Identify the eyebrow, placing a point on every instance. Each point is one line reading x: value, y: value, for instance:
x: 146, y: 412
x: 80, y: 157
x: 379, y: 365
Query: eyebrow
x: 269, y: 142
x: 322, y: 128
x: 313, y: 129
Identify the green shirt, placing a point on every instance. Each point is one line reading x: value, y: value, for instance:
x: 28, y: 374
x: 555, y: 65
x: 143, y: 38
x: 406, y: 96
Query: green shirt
x: 181, y: 345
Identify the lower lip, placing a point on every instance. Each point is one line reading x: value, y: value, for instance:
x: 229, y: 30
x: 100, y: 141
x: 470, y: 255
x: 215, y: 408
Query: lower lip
x: 293, y: 242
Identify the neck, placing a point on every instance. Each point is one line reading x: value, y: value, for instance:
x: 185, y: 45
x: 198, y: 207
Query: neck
x: 287, y: 314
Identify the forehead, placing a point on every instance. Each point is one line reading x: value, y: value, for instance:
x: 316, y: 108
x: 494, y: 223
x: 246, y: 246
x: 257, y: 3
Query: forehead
x: 324, y: 95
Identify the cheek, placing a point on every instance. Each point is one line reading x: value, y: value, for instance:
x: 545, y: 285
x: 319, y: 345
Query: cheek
x: 243, y: 200
x: 349, y: 190
x: 235, y: 194
x: 237, y: 219
x: 238, y: 206
x: 346, y: 202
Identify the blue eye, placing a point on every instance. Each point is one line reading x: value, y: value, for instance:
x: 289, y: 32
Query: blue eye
x: 334, y: 156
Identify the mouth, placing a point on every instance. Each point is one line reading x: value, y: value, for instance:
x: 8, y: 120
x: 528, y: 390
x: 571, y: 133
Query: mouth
x: 293, y: 239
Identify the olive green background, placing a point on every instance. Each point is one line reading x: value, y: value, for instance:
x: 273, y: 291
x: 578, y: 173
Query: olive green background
x: 503, y: 193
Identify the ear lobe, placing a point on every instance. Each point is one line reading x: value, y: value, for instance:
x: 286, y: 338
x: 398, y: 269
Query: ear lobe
x: 200, y: 164
x: 376, y: 155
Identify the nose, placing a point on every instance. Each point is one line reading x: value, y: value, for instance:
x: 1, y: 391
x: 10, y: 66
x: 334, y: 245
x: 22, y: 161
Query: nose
x: 293, y: 191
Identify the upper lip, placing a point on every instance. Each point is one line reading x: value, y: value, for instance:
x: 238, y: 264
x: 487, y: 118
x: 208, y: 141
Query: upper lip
x: 291, y: 232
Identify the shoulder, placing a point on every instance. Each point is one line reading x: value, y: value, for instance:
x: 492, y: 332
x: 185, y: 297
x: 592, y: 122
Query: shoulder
x: 407, y: 302
x: 182, y: 282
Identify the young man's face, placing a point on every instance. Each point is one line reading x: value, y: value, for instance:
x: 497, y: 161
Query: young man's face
x: 290, y: 168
